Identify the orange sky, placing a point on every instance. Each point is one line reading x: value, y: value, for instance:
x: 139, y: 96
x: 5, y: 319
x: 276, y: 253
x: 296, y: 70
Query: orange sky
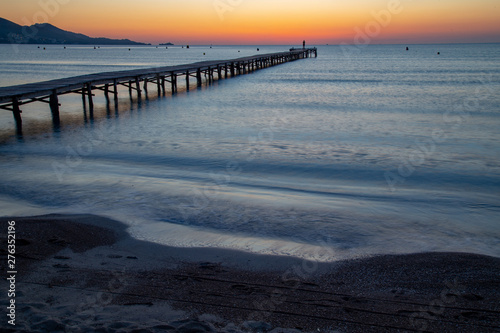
x: 268, y: 21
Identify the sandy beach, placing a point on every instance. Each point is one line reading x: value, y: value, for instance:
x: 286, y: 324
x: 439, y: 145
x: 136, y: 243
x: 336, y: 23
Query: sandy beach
x: 85, y: 274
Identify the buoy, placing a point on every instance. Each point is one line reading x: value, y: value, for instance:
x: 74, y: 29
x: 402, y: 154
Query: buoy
x: 203, y: 53
x: 258, y: 49
x: 439, y: 53
x: 129, y: 49
x: 407, y: 48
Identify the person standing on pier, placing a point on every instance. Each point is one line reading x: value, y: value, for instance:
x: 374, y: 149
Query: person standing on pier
x: 304, y: 44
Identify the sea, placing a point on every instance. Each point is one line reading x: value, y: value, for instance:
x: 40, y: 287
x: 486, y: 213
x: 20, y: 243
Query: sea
x: 364, y: 150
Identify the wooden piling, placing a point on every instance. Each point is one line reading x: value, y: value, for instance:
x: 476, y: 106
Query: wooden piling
x: 187, y: 80
x: 16, y: 111
x: 106, y: 92
x: 198, y: 77
x: 173, y: 80
x: 54, y: 108
x: 163, y: 84
x: 138, y: 87
x: 158, y: 84
x: 115, y: 90
x: 209, y: 75
x: 84, y: 98
x: 91, y: 101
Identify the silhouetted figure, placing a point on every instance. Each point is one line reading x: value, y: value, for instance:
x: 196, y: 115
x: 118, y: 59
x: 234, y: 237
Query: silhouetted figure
x: 304, y: 44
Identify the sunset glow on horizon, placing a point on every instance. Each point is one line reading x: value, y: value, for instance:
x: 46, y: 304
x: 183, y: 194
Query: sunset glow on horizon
x: 268, y: 22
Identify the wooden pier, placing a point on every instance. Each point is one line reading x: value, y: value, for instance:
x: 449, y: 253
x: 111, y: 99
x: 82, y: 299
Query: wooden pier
x: 12, y: 98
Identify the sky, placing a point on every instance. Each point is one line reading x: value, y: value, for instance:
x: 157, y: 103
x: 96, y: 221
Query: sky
x: 259, y: 22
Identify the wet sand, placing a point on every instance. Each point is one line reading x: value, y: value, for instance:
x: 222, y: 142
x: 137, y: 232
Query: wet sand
x: 85, y: 274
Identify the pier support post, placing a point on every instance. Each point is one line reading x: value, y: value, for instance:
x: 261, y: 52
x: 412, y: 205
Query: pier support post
x: 158, y: 84
x: 138, y: 87
x: 91, y: 101
x: 232, y: 69
x: 17, y: 116
x: 130, y: 89
x: 106, y: 92
x: 115, y: 90
x: 198, y: 77
x: 173, y: 80
x: 187, y: 80
x: 84, y: 98
x: 146, y: 87
x: 54, y: 109
x: 163, y: 84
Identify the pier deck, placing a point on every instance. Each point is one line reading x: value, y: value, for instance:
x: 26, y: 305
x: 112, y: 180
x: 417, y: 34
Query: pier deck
x: 12, y: 98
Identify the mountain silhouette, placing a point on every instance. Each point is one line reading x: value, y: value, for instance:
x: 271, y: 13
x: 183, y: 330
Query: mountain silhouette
x: 45, y: 33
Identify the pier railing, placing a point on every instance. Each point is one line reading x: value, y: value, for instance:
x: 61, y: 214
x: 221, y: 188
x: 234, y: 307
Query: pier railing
x: 12, y: 98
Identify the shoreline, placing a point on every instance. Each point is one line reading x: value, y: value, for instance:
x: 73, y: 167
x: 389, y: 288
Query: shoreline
x: 84, y: 272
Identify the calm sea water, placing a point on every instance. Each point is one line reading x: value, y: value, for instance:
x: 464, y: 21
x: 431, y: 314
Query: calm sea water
x: 358, y: 152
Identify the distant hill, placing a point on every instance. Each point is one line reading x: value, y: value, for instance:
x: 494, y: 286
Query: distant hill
x: 45, y: 33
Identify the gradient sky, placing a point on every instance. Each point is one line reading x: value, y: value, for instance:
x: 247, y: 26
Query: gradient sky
x: 267, y: 21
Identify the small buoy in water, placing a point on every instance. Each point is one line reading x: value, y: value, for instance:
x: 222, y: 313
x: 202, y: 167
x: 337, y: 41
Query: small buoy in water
x: 39, y: 47
x: 203, y: 53
x: 44, y: 48
x: 129, y: 49
x: 258, y: 49
x: 439, y: 53
x: 239, y: 51
x: 65, y: 47
x: 407, y: 48
x: 95, y: 47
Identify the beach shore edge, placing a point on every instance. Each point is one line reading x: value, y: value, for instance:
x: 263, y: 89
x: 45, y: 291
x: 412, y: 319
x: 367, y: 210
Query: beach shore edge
x: 81, y: 272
